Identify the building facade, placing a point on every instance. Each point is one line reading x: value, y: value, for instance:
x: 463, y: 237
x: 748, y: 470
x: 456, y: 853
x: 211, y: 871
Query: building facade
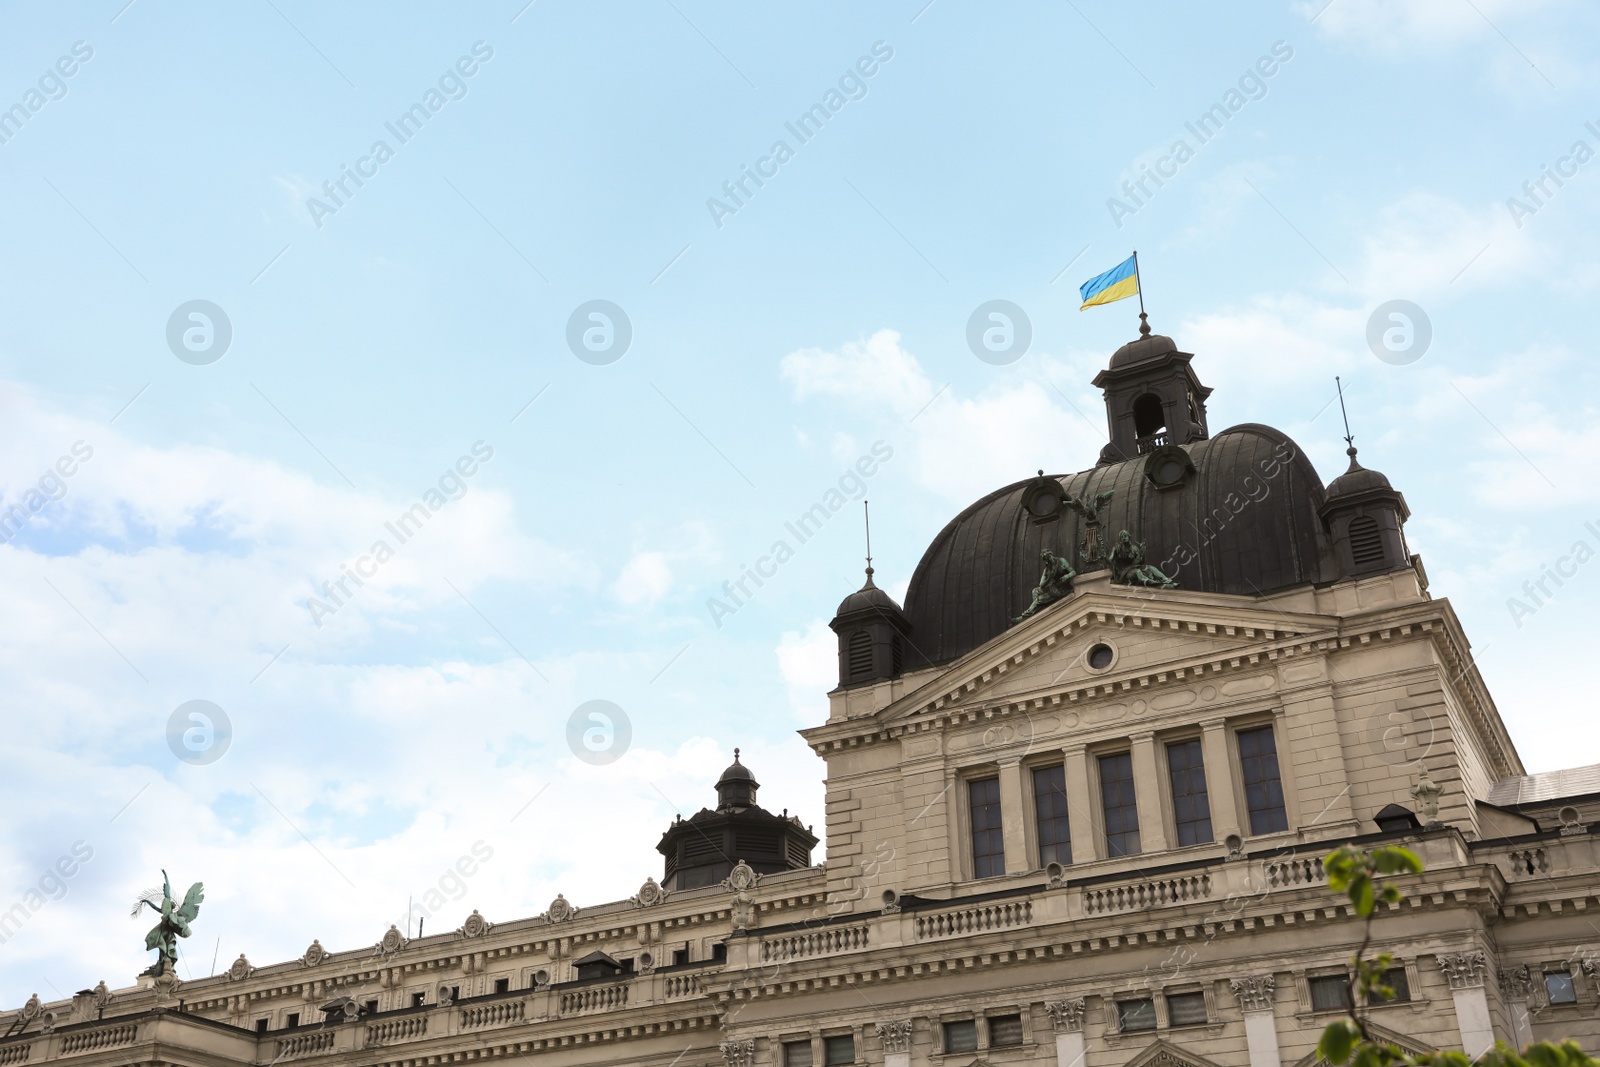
x: 1078, y: 791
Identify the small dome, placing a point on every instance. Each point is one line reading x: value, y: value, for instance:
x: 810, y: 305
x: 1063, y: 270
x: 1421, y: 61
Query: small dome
x: 1356, y: 480
x: 1144, y: 348
x: 736, y: 772
x: 868, y: 596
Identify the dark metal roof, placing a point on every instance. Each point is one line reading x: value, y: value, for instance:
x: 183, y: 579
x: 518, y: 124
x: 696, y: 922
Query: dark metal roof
x: 1245, y: 522
x: 1546, y: 786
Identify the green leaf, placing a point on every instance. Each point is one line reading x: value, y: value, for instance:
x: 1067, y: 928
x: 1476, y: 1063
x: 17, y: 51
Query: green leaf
x: 1360, y: 893
x: 1337, y: 1041
x: 1392, y: 859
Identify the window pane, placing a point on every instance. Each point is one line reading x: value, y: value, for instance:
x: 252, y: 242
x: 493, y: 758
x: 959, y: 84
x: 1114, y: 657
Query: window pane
x: 961, y: 1036
x: 838, y: 1049
x: 1117, y: 801
x: 1330, y: 994
x: 1559, y: 985
x: 1263, y: 789
x: 1186, y: 1009
x: 1136, y: 1015
x: 797, y: 1054
x: 1191, y: 808
x: 1050, y: 815
x: 988, y: 839
x: 1395, y: 979
x: 1005, y: 1030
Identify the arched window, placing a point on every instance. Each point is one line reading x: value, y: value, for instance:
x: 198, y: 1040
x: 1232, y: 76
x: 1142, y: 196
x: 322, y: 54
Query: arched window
x: 860, y: 654
x: 1149, y: 417
x: 1366, y: 541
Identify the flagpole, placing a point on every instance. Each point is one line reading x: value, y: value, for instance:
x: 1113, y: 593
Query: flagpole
x: 1138, y: 284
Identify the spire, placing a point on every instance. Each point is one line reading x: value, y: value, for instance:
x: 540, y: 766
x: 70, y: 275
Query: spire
x: 866, y: 513
x: 1349, y: 438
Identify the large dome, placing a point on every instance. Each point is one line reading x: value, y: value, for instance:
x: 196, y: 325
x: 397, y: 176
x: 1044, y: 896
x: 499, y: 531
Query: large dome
x: 1243, y: 520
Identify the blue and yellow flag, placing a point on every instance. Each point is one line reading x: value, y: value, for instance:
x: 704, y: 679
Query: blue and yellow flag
x: 1118, y: 283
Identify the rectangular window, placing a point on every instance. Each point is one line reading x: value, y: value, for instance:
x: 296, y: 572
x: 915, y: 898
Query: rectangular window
x: 680, y: 956
x: 418, y: 999
x: 838, y: 1050
x: 961, y: 1036
x: 1558, y: 984
x: 1191, y: 808
x: 1263, y: 788
x: 988, y: 839
x: 1005, y: 1031
x: 1050, y: 815
x: 1186, y: 1009
x: 1117, y: 802
x: 719, y: 952
x: 371, y: 1007
x: 262, y: 1024
x: 1134, y: 1015
x: 797, y: 1054
x: 1395, y: 978
x: 293, y: 1018
x: 502, y: 985
x: 1330, y: 993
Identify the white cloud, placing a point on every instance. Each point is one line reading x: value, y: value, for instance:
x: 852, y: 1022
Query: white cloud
x: 644, y: 580
x: 809, y: 664
x: 1395, y: 29
x: 871, y: 372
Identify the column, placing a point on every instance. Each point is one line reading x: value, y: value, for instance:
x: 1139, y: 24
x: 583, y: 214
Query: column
x: 1516, y: 986
x: 1014, y: 815
x: 1080, y: 807
x: 896, y: 1038
x: 1066, y: 1018
x: 1147, y: 793
x: 1466, y: 972
x: 1219, y: 780
x: 1256, y: 994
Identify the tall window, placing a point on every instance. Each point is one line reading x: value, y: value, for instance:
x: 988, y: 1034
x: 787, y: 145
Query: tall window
x: 1191, y: 808
x: 1050, y: 815
x: 988, y: 839
x: 1117, y: 801
x: 1263, y: 788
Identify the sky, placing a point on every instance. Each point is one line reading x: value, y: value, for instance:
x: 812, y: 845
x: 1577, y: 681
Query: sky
x: 536, y: 285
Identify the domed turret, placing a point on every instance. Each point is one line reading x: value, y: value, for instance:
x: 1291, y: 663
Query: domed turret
x: 703, y: 849
x: 1366, y: 518
x: 871, y: 629
x: 1153, y: 398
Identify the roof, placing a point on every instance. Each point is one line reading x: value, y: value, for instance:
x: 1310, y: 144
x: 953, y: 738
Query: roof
x: 1245, y: 522
x: 1546, y: 786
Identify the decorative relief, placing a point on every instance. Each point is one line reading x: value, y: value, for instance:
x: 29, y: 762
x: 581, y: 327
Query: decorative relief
x: 475, y: 926
x: 741, y: 879
x: 102, y: 995
x: 1465, y: 970
x: 314, y: 954
x: 650, y: 894
x: 560, y: 911
x: 1571, y: 824
x: 1517, y: 983
x: 739, y: 1053
x: 1255, y: 992
x: 393, y: 941
x: 1426, y: 793
x: 1066, y: 1016
x: 896, y: 1036
x: 240, y: 969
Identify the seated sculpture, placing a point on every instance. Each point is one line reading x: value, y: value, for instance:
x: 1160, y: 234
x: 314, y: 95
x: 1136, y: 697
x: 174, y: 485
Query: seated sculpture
x: 1129, y: 568
x: 1054, y: 583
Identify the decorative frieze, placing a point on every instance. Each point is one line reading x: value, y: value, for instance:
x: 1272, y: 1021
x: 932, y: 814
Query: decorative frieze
x: 1255, y: 992
x: 1066, y: 1016
x: 1465, y: 970
x: 896, y: 1036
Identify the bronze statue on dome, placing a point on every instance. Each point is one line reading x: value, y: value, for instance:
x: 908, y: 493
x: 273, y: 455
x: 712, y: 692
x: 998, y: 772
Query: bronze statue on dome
x: 1054, y: 583
x: 1129, y: 568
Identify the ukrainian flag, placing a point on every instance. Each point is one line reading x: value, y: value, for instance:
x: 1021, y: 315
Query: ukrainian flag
x: 1118, y: 283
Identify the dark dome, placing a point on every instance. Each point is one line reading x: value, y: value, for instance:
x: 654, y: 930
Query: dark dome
x: 1244, y: 522
x: 1144, y: 348
x: 1356, y: 480
x: 868, y: 596
x: 736, y: 772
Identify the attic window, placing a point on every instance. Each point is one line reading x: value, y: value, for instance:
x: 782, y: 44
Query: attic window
x: 1366, y: 541
x: 860, y: 654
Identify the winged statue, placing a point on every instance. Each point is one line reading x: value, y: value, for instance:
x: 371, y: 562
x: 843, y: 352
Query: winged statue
x: 1090, y: 510
x: 175, y: 920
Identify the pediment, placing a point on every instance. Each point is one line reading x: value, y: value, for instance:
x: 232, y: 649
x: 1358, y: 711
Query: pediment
x: 1382, y: 1033
x: 1163, y: 1053
x: 1043, y: 661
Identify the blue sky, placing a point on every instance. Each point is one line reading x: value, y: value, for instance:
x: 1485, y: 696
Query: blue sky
x: 373, y: 347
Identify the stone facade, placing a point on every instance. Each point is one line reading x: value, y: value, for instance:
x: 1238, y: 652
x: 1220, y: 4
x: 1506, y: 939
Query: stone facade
x: 937, y: 933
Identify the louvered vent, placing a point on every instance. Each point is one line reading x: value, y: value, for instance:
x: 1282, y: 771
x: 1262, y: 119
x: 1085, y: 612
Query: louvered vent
x: 1366, y: 540
x: 894, y: 656
x: 860, y: 654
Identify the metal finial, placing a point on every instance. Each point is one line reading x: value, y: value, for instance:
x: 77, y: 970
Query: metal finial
x: 736, y: 755
x: 866, y: 513
x: 1349, y: 438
